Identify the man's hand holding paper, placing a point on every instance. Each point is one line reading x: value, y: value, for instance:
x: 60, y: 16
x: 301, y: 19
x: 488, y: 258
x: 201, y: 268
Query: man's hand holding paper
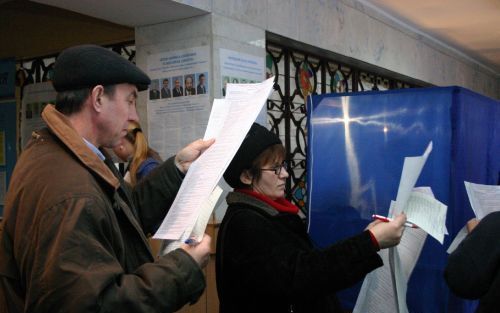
x: 187, y: 155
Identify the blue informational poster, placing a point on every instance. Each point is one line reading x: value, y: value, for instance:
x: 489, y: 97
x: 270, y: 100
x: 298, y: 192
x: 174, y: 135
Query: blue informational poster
x: 357, y: 143
x: 8, y: 149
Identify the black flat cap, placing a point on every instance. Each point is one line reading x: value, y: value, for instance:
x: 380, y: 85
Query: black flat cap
x: 257, y: 140
x: 90, y: 65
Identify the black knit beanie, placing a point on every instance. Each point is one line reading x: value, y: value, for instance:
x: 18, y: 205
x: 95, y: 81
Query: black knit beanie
x: 257, y: 140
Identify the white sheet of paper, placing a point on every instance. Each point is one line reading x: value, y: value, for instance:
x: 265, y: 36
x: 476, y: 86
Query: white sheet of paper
x: 428, y: 191
x: 458, y: 239
x: 218, y: 115
x: 384, y: 289
x: 399, y: 280
x: 410, y: 248
x: 427, y: 213
x: 407, y: 253
x: 483, y: 199
x: 245, y: 102
x: 377, y: 294
x: 199, y: 227
x: 411, y: 171
x: 201, y: 223
x: 413, y: 239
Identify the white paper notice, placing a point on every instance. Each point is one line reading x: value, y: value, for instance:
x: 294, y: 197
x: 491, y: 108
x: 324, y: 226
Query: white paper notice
x: 245, y: 102
x: 411, y: 171
x: 178, y: 105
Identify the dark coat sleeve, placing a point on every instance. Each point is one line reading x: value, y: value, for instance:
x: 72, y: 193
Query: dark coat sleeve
x: 146, y: 167
x: 280, y: 262
x: 474, y: 265
x: 154, y: 195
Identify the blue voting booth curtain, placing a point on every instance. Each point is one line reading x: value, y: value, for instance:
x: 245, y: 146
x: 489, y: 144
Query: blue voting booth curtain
x: 357, y: 143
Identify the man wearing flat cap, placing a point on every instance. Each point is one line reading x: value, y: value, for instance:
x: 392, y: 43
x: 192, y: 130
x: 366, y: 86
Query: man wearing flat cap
x: 74, y: 236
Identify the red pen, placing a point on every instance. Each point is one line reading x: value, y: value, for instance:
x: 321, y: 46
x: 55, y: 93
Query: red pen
x: 387, y: 219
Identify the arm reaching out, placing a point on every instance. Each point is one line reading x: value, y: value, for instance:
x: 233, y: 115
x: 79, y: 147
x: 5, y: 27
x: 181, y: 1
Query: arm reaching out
x: 199, y: 252
x: 388, y: 234
x: 190, y: 153
x: 471, y: 224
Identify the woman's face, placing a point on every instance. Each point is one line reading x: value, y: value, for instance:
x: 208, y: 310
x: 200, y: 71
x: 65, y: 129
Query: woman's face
x: 271, y: 184
x: 125, y: 150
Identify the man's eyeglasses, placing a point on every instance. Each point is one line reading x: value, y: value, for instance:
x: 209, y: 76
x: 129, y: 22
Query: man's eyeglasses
x: 277, y: 169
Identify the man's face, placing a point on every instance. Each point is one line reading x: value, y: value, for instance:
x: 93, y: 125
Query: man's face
x: 165, y: 84
x: 189, y: 82
x: 202, y: 80
x: 117, y: 111
x: 177, y: 83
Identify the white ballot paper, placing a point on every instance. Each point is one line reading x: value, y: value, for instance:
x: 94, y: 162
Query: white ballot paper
x: 428, y: 191
x: 483, y: 199
x: 378, y: 293
x: 427, y: 213
x: 384, y: 289
x: 218, y: 115
x: 245, y: 102
x: 411, y: 171
x: 198, y: 228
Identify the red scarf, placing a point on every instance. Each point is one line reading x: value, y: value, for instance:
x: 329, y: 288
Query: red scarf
x: 281, y: 204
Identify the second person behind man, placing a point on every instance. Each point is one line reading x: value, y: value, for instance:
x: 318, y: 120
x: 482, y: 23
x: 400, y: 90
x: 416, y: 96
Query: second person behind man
x: 135, y: 150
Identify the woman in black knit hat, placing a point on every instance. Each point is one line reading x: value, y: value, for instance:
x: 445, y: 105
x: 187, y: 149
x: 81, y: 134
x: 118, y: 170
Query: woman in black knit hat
x: 265, y: 259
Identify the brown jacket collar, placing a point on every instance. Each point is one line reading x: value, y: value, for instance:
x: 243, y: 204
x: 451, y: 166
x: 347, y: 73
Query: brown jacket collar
x: 59, y: 124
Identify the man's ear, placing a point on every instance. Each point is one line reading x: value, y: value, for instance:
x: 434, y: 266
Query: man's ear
x: 96, y: 95
x: 246, y: 177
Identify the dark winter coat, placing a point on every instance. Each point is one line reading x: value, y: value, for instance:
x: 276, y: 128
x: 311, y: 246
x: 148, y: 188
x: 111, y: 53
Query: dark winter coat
x: 74, y: 235
x: 267, y: 263
x: 473, y: 269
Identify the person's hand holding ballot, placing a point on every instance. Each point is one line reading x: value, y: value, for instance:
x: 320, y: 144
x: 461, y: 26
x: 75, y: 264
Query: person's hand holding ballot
x: 388, y: 232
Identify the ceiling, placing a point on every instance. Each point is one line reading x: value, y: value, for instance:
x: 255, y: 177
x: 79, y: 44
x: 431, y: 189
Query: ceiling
x: 472, y: 28
x: 129, y: 12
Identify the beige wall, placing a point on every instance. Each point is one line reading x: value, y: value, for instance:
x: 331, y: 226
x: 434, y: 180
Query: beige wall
x: 351, y: 29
